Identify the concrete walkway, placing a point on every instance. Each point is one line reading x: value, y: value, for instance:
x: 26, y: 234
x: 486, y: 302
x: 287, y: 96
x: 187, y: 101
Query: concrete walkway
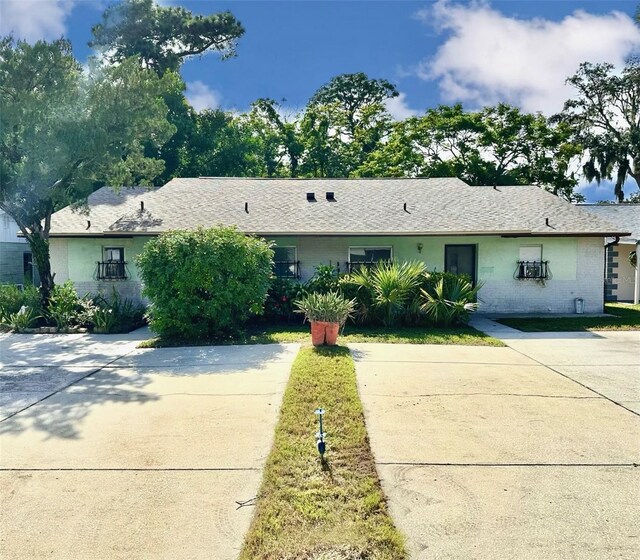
x: 490, y: 453
x: 145, y: 457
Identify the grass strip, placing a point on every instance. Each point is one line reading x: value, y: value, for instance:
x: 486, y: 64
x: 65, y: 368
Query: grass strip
x: 309, y: 509
x: 624, y: 317
x: 273, y: 334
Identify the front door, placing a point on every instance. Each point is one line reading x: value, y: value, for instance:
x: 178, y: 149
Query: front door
x: 461, y: 259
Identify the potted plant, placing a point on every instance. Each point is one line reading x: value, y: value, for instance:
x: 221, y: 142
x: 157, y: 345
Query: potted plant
x: 326, y: 313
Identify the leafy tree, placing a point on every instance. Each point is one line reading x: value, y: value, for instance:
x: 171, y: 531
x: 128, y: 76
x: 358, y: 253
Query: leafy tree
x: 498, y: 145
x: 220, y: 145
x: 605, y: 118
x: 64, y: 132
x: 162, y: 37
x: 345, y: 121
x: 205, y: 283
x: 279, y: 140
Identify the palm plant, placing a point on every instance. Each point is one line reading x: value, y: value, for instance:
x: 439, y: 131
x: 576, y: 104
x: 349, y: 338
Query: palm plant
x: 452, y: 303
x: 393, y: 286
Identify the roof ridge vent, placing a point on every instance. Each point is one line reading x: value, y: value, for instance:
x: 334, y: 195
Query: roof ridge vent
x: 331, y: 196
x: 311, y: 197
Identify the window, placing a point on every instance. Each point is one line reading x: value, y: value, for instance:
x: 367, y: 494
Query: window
x: 113, y: 265
x: 285, y: 262
x: 531, y: 266
x: 368, y: 256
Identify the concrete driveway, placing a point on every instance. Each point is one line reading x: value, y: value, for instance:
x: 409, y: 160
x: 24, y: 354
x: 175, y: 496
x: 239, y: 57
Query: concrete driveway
x: 526, y: 452
x: 124, y: 453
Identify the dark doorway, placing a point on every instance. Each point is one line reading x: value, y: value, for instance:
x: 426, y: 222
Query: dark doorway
x: 461, y: 259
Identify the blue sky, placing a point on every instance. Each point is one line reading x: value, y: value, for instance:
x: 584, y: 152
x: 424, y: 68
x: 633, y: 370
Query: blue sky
x: 435, y: 52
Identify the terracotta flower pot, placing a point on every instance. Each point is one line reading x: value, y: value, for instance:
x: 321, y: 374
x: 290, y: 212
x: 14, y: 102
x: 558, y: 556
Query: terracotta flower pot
x: 318, y: 332
x: 331, y: 333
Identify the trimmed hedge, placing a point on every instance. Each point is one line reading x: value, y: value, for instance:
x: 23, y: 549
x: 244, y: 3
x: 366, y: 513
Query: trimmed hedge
x: 204, y: 283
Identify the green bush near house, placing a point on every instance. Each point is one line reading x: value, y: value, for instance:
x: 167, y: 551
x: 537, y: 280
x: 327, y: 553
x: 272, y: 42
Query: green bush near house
x: 205, y: 283
x: 115, y: 314
x: 12, y: 299
x: 67, y: 309
x: 406, y: 294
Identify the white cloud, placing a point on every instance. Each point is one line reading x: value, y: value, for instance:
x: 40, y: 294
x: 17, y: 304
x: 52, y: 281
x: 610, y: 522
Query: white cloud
x: 489, y: 57
x: 201, y: 96
x: 32, y: 20
x: 398, y: 107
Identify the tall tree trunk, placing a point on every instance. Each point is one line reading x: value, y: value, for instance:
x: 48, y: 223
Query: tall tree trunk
x: 39, y: 243
x: 37, y: 234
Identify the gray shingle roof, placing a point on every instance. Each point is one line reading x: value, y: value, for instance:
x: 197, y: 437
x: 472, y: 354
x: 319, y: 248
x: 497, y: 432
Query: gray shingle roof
x: 625, y: 216
x: 361, y: 206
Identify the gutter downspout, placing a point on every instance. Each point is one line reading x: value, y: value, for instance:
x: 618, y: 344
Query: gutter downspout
x: 606, y: 250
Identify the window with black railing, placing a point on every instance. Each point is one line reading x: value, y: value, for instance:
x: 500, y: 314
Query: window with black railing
x: 367, y: 257
x: 287, y: 269
x: 359, y: 265
x: 532, y: 270
x: 113, y: 265
x: 111, y: 270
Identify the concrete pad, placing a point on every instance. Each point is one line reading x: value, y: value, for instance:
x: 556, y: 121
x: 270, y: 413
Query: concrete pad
x: 46, y: 350
x: 125, y: 515
x: 160, y: 420
x: 605, y: 348
x: 531, y: 513
x: 20, y: 387
x: 500, y: 429
x: 434, y: 379
x: 435, y: 353
x: 619, y: 383
x: 142, y: 461
x: 258, y: 355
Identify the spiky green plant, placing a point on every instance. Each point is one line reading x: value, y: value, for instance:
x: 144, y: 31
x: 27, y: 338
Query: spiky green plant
x: 451, y: 304
x: 393, y: 285
x: 330, y: 307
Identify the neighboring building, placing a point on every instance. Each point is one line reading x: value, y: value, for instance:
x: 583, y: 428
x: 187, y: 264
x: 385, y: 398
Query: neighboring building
x: 532, y: 251
x: 622, y: 280
x: 16, y: 264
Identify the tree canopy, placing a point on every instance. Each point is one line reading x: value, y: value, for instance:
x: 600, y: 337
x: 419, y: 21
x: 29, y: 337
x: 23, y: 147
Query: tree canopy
x: 162, y: 37
x: 605, y: 118
x: 64, y: 132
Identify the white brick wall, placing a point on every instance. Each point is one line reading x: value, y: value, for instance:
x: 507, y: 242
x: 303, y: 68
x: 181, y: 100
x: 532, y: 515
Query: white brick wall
x: 507, y: 295
x: 126, y: 288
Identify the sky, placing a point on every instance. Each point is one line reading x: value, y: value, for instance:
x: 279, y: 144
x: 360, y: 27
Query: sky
x: 445, y: 51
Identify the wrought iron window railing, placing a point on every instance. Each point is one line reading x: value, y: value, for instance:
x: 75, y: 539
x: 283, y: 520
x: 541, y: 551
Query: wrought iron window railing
x: 287, y: 269
x: 357, y: 265
x: 111, y: 270
x: 533, y: 270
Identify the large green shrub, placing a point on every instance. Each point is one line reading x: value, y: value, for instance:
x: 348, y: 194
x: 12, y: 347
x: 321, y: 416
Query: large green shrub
x: 204, y: 283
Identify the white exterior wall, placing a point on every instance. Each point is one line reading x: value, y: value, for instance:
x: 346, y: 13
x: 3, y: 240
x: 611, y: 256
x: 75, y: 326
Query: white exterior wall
x: 577, y: 266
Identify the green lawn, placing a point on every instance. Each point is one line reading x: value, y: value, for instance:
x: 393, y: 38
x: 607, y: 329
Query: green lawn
x: 300, y: 333
x: 311, y: 509
x: 625, y: 318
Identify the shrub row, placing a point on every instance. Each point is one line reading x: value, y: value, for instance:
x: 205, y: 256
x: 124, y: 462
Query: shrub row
x: 390, y: 294
x: 22, y: 309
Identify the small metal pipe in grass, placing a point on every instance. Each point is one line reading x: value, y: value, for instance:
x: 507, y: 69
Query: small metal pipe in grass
x: 320, y: 435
